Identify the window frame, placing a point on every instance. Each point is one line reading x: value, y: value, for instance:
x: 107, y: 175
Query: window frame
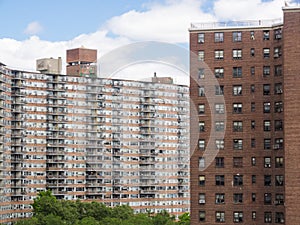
x: 219, y: 54
x: 219, y: 72
x: 201, y: 38
x: 237, y: 36
x: 237, y: 72
x: 237, y: 54
x: 219, y: 37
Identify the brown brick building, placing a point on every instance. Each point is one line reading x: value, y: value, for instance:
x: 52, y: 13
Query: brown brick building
x: 254, y: 176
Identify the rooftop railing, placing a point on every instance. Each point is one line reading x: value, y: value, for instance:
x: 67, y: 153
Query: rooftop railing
x: 236, y: 24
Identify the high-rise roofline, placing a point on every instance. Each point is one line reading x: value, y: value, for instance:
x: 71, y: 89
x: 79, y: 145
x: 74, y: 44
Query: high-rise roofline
x: 236, y: 24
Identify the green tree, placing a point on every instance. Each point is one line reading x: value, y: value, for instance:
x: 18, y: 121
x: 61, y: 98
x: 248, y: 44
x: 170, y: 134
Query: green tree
x: 46, y: 204
x: 184, y: 219
x: 163, y: 218
x: 123, y: 212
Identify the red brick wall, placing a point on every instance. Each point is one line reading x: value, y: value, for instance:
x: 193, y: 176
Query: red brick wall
x: 292, y: 114
x: 247, y: 116
x: 81, y: 54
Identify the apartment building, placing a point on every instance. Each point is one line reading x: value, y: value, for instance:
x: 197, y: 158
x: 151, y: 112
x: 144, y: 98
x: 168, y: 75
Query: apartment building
x: 254, y: 178
x: 94, y: 139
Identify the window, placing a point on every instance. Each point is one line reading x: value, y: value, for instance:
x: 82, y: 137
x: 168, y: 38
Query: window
x: 201, y: 108
x: 219, y: 162
x: 219, y: 125
x: 237, y: 180
x: 201, y: 91
x: 266, y: 71
x: 268, y: 198
x: 252, y: 37
x: 253, y: 196
x: 279, y: 180
x: 219, y: 72
x: 252, y: 52
x: 237, y: 72
x: 267, y: 107
x: 201, y: 144
x: 237, y: 144
x: 201, y: 126
x: 253, y: 142
x: 220, y: 217
x: 278, y: 89
x: 253, y: 161
x: 266, y: 35
x: 252, y: 124
x: 201, y: 180
x: 267, y: 162
x: 237, y: 198
x: 266, y: 89
x: 219, y: 54
x: 220, y: 180
x: 278, y: 144
x: 278, y: 70
x: 236, y: 36
x: 278, y: 125
x: 268, y: 180
x: 279, y: 199
x: 278, y: 34
x: 267, y: 144
x: 252, y: 70
x: 253, y: 215
x: 219, y: 90
x: 237, y: 217
x: 237, y: 162
x: 252, y: 106
x: 219, y: 37
x: 266, y: 53
x: 200, y: 38
x: 219, y: 108
x: 279, y: 162
x: 200, y: 55
x: 201, y: 198
x: 237, y: 90
x: 201, y: 73
x: 220, y: 198
x: 267, y: 125
x: 237, y: 108
x: 278, y: 107
x: 219, y: 144
x: 201, y: 216
x: 237, y: 126
x: 279, y: 217
x: 277, y: 52
x: 237, y: 53
x: 252, y: 88
x: 253, y: 179
x: 201, y: 162
x: 268, y: 217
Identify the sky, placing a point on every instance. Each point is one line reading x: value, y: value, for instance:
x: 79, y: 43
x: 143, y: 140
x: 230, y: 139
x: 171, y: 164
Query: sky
x: 35, y: 29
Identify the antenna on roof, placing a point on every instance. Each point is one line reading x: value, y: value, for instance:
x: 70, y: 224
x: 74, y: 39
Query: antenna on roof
x: 286, y: 4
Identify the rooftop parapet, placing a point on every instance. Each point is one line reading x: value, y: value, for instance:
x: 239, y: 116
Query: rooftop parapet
x: 236, y: 24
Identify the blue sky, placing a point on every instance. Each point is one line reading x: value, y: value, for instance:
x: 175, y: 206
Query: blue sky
x: 33, y: 29
x: 60, y: 19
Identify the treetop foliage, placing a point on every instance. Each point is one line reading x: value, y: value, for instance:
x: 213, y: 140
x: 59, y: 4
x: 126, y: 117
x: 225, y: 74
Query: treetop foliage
x: 47, y: 210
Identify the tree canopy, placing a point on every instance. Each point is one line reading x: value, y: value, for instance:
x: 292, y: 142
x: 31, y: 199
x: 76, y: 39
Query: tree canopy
x: 47, y: 210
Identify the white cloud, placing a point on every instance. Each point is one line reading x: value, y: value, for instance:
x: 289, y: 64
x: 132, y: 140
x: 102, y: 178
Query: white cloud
x: 167, y: 22
x: 23, y: 54
x: 33, y: 28
x: 248, y: 10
